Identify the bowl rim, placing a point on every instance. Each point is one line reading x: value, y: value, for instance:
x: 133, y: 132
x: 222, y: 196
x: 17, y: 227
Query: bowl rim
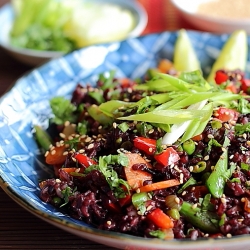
x: 213, y: 19
x: 134, y: 6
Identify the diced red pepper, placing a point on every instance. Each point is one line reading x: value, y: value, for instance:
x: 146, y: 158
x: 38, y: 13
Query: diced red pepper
x: 114, y: 207
x: 245, y: 85
x: 126, y: 200
x: 84, y: 160
x: 146, y: 145
x: 167, y: 157
x: 160, y: 219
x: 226, y: 114
x: 220, y: 77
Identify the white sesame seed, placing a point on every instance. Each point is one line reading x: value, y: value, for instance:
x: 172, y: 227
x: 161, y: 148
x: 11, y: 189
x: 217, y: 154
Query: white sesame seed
x: 90, y: 146
x: 206, y: 157
x: 62, y: 135
x: 223, y: 200
x: 210, y: 136
x: 194, y: 205
x: 67, y: 123
x: 53, y: 152
x: 177, y: 200
x: 88, y: 139
x: 184, y: 193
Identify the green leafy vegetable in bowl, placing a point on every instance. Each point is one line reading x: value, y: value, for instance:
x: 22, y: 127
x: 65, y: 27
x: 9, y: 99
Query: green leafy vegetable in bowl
x: 52, y: 25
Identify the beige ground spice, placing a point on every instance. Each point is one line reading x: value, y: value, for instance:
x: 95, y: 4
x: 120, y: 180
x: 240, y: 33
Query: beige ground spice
x: 237, y: 9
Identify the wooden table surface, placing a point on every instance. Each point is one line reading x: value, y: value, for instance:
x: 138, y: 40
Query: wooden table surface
x: 18, y: 228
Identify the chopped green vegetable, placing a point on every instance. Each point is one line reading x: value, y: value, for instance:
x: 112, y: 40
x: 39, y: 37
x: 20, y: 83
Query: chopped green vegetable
x: 203, y: 219
x: 43, y: 138
x: 63, y: 110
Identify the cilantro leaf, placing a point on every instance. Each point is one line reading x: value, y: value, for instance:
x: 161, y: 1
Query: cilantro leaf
x: 158, y: 234
x: 111, y: 176
x: 63, y: 110
x: 242, y: 128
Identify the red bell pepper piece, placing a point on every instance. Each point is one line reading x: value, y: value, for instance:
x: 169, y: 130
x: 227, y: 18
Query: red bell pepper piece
x: 146, y: 145
x: 167, y: 157
x: 226, y: 114
x: 220, y: 77
x: 84, y: 160
x: 160, y: 219
x: 245, y: 85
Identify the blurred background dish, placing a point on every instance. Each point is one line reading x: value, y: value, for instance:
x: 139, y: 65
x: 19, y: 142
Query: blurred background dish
x: 220, y: 16
x: 81, y: 28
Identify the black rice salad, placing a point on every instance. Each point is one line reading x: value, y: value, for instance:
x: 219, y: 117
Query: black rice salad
x: 166, y: 156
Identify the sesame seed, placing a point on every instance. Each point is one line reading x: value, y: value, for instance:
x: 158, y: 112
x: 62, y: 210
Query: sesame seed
x: 46, y: 154
x: 206, y: 157
x: 212, y: 168
x: 77, y: 170
x: 70, y: 137
x: 223, y: 200
x: 90, y: 145
x: 151, y: 131
x: 240, y: 220
x: 65, y: 153
x: 149, y: 207
x: 58, y: 181
x: 184, y: 193
x: 194, y: 206
x: 244, y: 135
x: 229, y: 235
x: 67, y: 123
x: 138, y: 190
x: 231, y: 157
x: 210, y: 136
x: 52, y: 147
x: 81, y: 151
x: 243, y: 199
x: 62, y: 135
x: 88, y: 139
x: 150, y: 150
x: 177, y: 200
x: 191, y: 168
x: 73, y: 159
x: 53, y: 152
x: 226, y: 126
x: 114, y: 125
x: 109, y: 222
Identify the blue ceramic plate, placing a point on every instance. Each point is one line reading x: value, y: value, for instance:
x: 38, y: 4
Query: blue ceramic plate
x: 27, y: 103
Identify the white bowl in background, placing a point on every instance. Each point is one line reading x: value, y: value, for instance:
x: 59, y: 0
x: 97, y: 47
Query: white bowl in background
x: 35, y: 57
x: 210, y: 22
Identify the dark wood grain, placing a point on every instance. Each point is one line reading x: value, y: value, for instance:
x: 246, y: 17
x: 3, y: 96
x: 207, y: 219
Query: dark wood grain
x: 18, y: 228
